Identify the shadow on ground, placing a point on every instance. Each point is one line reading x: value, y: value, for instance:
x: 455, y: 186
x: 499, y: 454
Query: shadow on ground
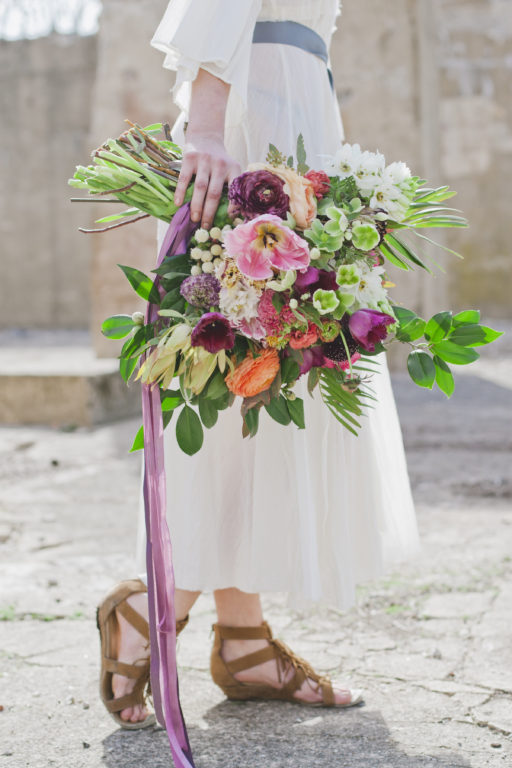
x: 266, y: 735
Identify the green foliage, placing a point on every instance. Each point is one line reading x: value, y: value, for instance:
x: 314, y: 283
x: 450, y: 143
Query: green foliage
x: 438, y: 326
x: 454, y: 353
x: 344, y: 406
x: 289, y: 370
x: 343, y: 190
x: 410, y: 326
x: 208, y: 412
x: 302, y: 166
x: 216, y: 387
x: 189, y: 432
x: 252, y: 419
x: 138, y: 441
x: 117, y: 326
x: 142, y: 284
x: 275, y: 157
x: 277, y: 408
x: 421, y: 369
x: 296, y: 411
x: 444, y: 376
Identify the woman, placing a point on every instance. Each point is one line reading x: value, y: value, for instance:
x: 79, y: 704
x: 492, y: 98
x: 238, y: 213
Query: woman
x: 311, y: 513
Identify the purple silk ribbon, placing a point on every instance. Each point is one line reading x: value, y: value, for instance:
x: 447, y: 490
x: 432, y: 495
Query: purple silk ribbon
x: 160, y: 572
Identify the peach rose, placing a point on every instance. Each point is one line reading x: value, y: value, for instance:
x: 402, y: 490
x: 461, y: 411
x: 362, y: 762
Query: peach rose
x: 254, y: 374
x: 299, y: 189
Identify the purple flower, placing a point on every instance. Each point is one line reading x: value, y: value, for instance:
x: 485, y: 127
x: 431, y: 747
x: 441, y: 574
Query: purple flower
x: 213, y: 332
x: 201, y: 290
x: 312, y: 357
x: 369, y: 327
x: 313, y: 278
x: 257, y: 192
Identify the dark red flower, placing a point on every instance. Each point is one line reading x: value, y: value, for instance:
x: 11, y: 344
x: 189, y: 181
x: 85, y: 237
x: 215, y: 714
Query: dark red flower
x: 257, y: 192
x: 213, y: 332
x: 320, y: 181
x: 312, y: 279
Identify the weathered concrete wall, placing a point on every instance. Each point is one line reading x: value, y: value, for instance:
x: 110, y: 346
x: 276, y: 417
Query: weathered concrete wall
x: 45, y: 104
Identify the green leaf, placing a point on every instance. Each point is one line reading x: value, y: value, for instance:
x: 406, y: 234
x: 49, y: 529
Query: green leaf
x: 117, y: 326
x: 313, y: 379
x: 278, y: 410
x: 392, y: 256
x: 468, y: 317
x: 474, y: 335
x: 438, y: 326
x: 405, y: 251
x: 302, y: 167
x: 216, y: 387
x: 208, y: 412
x: 142, y: 284
x: 296, y: 411
x: 290, y: 370
x: 252, y: 419
x: 454, y: 353
x: 138, y: 442
x: 171, y: 401
x: 421, y: 369
x: 444, y: 376
x: 189, y: 431
x: 127, y: 365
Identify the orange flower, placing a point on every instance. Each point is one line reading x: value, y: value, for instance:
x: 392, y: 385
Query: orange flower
x: 254, y: 374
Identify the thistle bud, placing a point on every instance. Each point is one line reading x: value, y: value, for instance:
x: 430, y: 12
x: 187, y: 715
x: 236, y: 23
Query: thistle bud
x: 196, y: 270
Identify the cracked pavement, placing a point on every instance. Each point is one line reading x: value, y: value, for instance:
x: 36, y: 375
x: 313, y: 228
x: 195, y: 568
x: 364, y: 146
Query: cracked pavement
x: 430, y: 644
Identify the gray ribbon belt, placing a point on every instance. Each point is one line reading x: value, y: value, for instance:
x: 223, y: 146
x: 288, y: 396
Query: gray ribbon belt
x: 293, y: 33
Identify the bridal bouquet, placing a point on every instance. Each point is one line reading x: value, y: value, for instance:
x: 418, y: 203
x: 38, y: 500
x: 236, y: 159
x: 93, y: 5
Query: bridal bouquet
x: 290, y: 282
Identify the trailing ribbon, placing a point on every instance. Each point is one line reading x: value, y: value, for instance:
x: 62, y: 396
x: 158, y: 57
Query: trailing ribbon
x: 160, y: 572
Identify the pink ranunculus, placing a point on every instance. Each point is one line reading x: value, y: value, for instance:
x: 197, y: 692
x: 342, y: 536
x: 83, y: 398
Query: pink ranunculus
x: 264, y: 244
x: 369, y: 327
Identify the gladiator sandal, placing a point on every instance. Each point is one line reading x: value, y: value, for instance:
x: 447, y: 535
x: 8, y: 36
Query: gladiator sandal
x: 106, y: 620
x: 223, y: 672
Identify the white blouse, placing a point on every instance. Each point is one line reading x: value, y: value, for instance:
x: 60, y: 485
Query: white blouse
x: 275, y: 88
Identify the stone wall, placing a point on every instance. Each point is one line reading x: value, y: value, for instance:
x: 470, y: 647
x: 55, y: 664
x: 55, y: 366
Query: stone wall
x: 45, y: 104
x: 428, y: 83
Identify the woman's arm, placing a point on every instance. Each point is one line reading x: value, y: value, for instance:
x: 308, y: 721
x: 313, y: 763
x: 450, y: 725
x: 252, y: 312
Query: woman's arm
x: 204, y: 152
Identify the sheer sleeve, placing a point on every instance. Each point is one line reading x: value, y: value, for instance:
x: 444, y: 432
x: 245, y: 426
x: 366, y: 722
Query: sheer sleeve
x: 214, y: 35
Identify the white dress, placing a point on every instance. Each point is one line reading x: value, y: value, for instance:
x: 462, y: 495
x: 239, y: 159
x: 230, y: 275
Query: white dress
x: 310, y: 513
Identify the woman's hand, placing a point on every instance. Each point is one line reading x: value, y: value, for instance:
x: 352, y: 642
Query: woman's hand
x: 205, y: 157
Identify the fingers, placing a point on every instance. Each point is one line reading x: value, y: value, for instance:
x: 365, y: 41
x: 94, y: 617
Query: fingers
x: 211, y: 173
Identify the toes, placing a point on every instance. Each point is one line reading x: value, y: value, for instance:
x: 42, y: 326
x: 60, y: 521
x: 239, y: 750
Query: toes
x: 342, y: 697
x: 126, y: 714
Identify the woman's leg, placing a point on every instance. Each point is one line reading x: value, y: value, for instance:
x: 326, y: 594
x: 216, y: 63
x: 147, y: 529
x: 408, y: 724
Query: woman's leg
x: 243, y: 609
x: 133, y: 647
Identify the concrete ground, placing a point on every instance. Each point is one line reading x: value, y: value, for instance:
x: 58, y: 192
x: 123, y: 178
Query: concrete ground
x: 431, y: 644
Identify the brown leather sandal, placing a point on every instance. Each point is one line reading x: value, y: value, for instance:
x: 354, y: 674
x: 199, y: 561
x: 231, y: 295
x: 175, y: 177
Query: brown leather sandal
x: 106, y: 620
x: 223, y: 673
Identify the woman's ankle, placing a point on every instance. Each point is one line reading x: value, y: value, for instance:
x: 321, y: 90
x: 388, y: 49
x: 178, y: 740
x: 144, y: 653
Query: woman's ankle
x: 238, y: 609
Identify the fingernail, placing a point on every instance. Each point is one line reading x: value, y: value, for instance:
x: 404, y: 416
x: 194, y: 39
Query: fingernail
x: 195, y: 216
x: 177, y: 199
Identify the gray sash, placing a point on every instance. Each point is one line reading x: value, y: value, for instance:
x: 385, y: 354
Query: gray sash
x: 293, y: 33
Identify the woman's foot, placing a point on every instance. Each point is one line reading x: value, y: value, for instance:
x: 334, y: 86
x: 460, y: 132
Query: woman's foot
x: 278, y: 672
x: 132, y: 648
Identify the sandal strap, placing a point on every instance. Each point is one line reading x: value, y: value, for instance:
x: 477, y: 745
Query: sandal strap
x: 135, y: 619
x: 327, y: 692
x: 263, y: 632
x: 251, y: 660
x: 133, y: 671
x: 129, y: 699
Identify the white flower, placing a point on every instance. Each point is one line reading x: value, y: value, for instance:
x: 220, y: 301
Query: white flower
x: 345, y: 161
x: 388, y: 196
x: 294, y: 303
x: 369, y: 170
x: 215, y: 233
x: 202, y: 235
x: 208, y: 267
x: 196, y: 253
x: 206, y: 255
x: 216, y: 249
x: 314, y: 254
x: 239, y: 303
x: 369, y: 291
x: 397, y: 173
x: 196, y: 270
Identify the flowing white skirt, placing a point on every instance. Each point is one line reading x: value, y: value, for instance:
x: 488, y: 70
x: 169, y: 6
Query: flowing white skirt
x: 312, y: 512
